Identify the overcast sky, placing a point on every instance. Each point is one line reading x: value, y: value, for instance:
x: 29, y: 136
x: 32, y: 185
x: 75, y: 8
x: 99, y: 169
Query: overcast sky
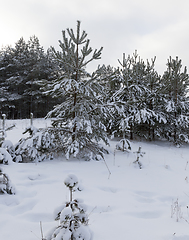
x: 154, y: 28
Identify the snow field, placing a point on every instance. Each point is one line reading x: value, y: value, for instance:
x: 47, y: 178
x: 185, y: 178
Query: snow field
x: 127, y: 204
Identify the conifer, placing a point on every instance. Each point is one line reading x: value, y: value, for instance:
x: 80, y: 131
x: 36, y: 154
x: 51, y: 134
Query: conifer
x: 78, y: 121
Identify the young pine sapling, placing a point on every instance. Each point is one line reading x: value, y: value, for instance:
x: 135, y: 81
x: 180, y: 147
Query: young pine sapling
x: 5, y: 185
x: 7, y: 144
x: 73, y: 220
x: 139, y: 154
x: 123, y: 145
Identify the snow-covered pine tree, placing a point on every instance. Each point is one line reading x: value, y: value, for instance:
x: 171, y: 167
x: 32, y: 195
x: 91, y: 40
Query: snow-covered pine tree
x: 20, y: 67
x: 5, y: 184
x: 151, y: 113
x: 77, y: 121
x: 175, y: 84
x: 111, y: 81
x: 36, y: 147
x: 138, y: 98
x: 73, y: 220
x: 5, y: 157
x: 6, y: 147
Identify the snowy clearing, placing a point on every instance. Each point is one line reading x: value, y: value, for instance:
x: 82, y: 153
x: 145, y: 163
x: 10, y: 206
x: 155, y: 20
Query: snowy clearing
x: 129, y: 203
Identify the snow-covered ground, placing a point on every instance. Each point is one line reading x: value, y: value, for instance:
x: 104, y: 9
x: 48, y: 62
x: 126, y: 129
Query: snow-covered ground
x: 129, y: 203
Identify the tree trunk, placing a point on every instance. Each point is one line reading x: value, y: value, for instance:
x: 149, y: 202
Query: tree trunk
x: 131, y: 131
x: 175, y: 127
x: 75, y: 95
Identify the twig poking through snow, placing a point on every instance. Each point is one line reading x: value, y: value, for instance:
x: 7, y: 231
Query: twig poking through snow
x: 186, y: 165
x: 139, y: 154
x: 107, y: 168
x: 41, y: 231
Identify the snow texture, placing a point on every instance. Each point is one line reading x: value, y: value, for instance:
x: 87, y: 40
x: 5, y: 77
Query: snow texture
x: 132, y: 203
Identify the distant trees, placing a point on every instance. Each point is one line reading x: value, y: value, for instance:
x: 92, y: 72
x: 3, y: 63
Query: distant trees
x: 20, y: 67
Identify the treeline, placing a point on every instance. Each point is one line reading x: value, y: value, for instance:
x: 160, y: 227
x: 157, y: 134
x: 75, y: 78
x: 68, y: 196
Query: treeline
x: 145, y: 104
x: 140, y: 102
x: 21, y: 67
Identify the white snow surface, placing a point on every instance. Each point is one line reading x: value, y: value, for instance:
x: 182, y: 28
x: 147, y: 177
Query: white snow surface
x: 129, y: 203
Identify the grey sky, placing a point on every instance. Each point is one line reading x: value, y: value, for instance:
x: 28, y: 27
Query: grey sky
x: 154, y: 28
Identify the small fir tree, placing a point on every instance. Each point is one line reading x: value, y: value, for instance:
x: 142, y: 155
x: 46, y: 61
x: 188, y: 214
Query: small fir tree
x: 5, y: 184
x: 4, y: 129
x: 138, y: 99
x: 175, y: 82
x: 9, y: 147
x: 111, y: 81
x: 5, y: 157
x: 7, y: 150
x: 139, y: 154
x: 78, y: 121
x: 73, y: 220
x: 123, y: 145
x: 35, y: 148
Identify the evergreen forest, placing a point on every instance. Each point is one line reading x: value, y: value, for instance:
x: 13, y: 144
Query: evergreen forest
x: 132, y: 100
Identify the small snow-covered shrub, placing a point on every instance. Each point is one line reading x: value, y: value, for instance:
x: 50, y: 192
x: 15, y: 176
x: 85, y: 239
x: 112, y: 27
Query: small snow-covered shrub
x: 5, y: 185
x: 35, y: 148
x: 72, y: 183
x: 8, y: 145
x: 5, y: 157
x: 123, y: 145
x: 73, y: 220
x: 176, y: 210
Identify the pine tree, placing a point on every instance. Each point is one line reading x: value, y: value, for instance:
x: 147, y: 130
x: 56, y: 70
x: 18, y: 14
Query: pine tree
x: 6, y: 147
x: 111, y: 81
x: 138, y: 99
x: 20, y: 67
x: 37, y: 147
x: 175, y: 84
x: 73, y: 220
x: 5, y: 184
x: 78, y: 126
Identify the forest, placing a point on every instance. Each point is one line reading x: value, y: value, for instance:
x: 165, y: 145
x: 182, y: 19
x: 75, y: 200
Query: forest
x: 133, y: 100
x: 20, y: 67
